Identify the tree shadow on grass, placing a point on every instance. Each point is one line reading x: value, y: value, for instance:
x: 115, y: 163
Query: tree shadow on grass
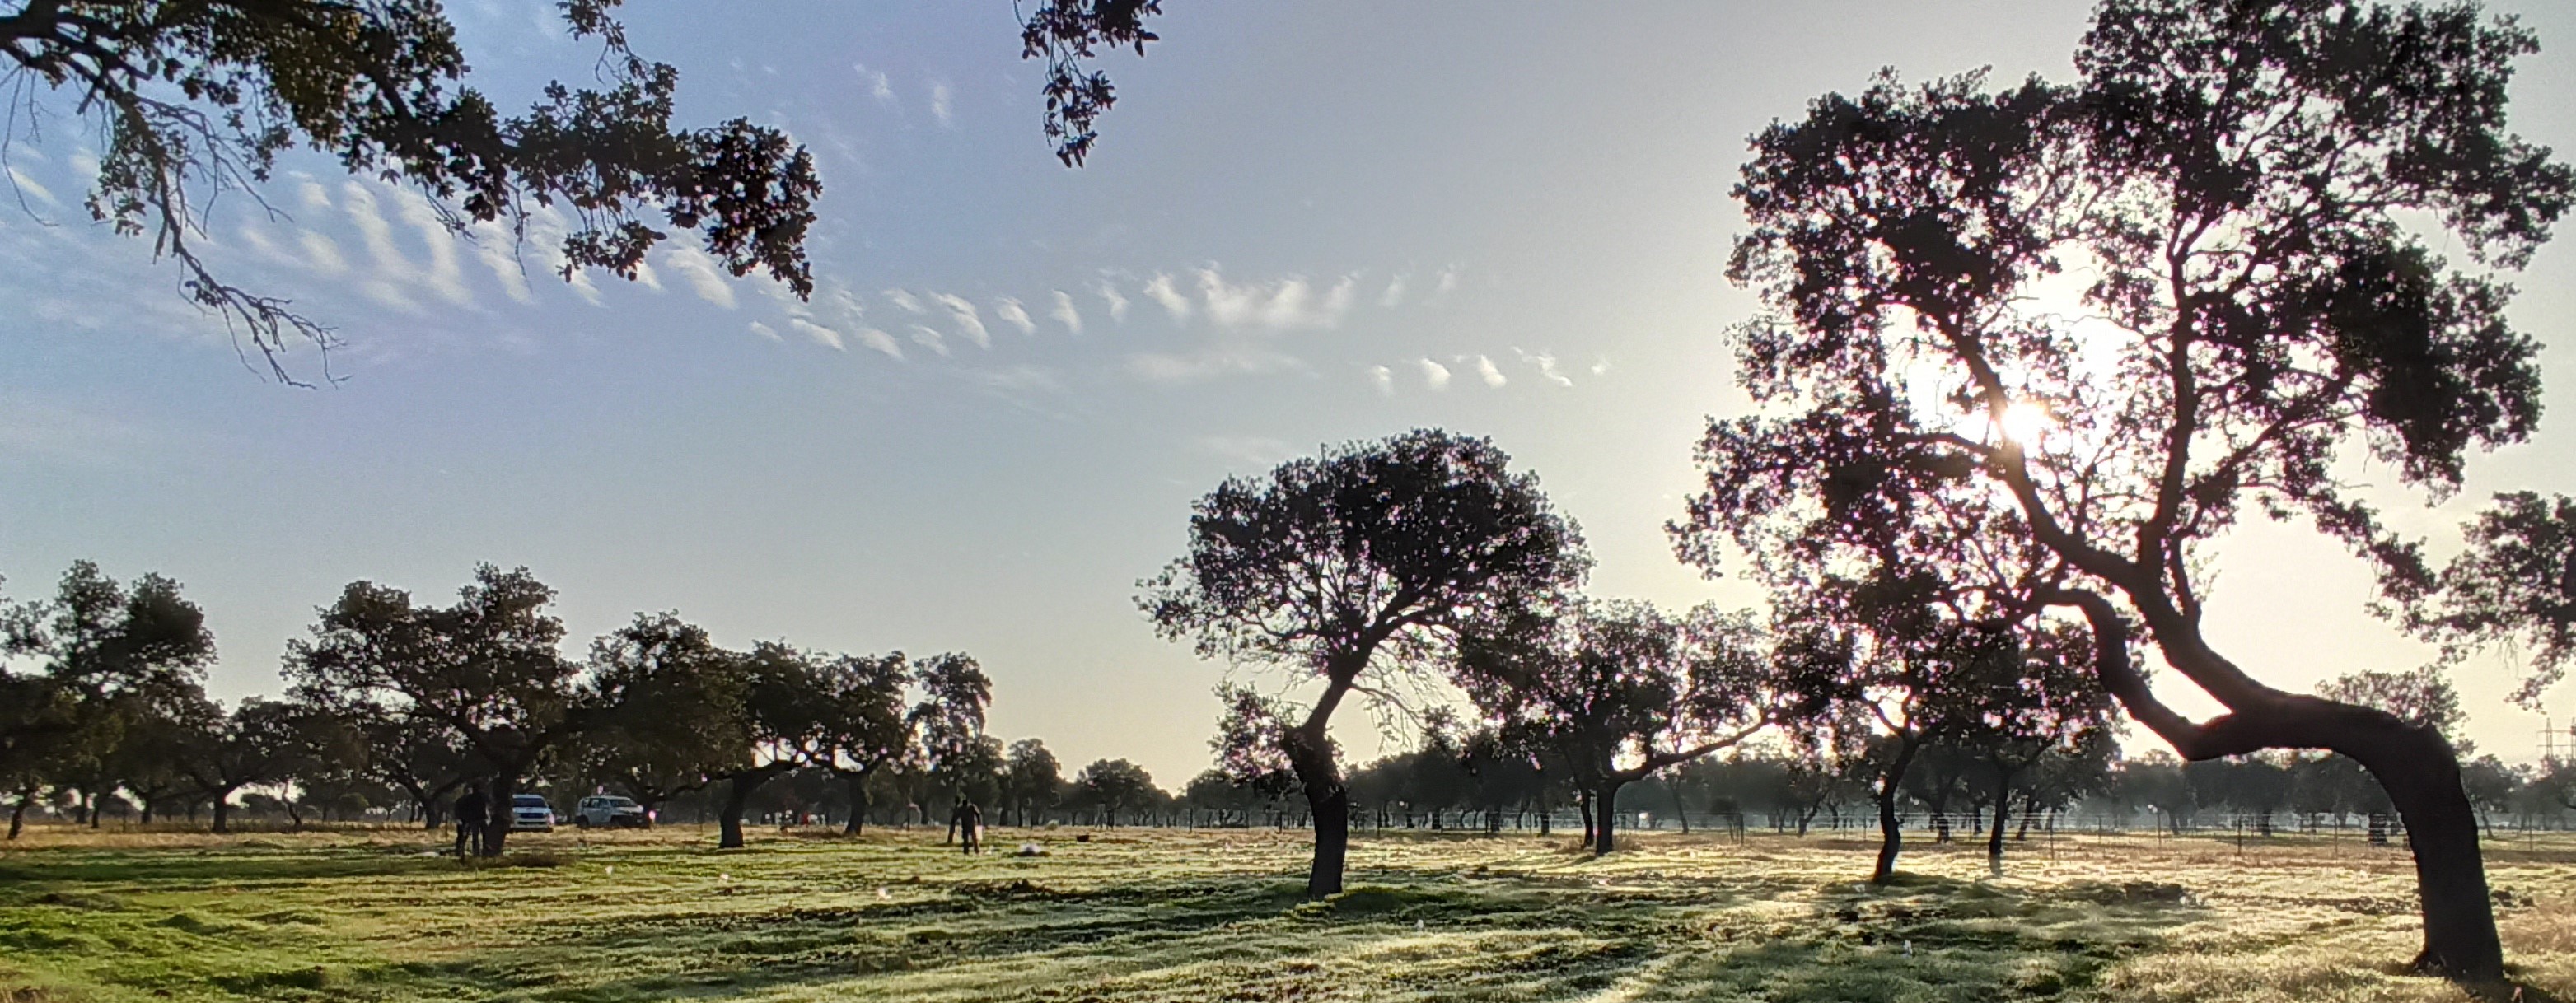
x: 1430, y: 937
x: 40, y: 871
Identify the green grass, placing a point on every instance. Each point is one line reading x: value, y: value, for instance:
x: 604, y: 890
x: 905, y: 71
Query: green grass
x: 1197, y: 916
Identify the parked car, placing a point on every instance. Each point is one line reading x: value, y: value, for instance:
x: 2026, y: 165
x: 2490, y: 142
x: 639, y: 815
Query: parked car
x: 609, y: 811
x: 531, y: 813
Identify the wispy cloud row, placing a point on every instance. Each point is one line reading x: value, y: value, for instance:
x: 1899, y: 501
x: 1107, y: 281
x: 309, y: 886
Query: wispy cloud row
x: 1436, y: 375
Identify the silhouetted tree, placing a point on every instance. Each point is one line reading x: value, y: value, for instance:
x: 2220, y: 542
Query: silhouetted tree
x: 1621, y: 690
x: 1326, y: 561
x: 667, y: 697
x: 1113, y: 786
x: 2045, y: 708
x: 948, y: 723
x: 2241, y: 186
x: 258, y: 743
x: 2515, y: 585
x: 108, y: 656
x: 488, y: 669
x: 1031, y: 779
x: 864, y: 728
x: 782, y: 721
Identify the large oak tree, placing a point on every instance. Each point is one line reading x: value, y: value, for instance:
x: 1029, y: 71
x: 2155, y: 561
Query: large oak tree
x: 2186, y: 285
x: 1357, y: 563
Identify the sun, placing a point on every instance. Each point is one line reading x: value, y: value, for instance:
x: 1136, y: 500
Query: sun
x: 2026, y: 423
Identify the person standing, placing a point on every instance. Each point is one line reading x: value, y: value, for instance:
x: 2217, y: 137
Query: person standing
x: 473, y: 813
x: 970, y: 825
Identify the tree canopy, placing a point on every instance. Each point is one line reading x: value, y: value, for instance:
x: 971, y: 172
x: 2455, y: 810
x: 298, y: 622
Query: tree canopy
x: 1394, y: 544
x: 2110, y: 318
x: 195, y: 98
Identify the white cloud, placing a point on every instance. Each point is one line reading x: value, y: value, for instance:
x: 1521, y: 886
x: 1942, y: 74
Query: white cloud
x: 1546, y: 364
x: 1394, y: 294
x: 1600, y: 366
x: 1338, y: 301
x: 321, y: 253
x: 497, y: 247
x: 1383, y: 379
x: 546, y: 232
x: 28, y: 186
x: 939, y: 108
x: 314, y: 195
x: 905, y: 300
x: 765, y: 331
x: 705, y: 277
x: 1290, y: 303
x: 1117, y: 303
x: 1448, y: 281
x: 1434, y: 375
x: 392, y: 267
x: 1065, y: 314
x: 1012, y: 313
x: 930, y: 339
x: 1159, y: 289
x: 969, y: 322
x: 443, y: 277
x: 823, y: 336
x: 881, y: 341
x: 879, y: 87
x: 1485, y: 368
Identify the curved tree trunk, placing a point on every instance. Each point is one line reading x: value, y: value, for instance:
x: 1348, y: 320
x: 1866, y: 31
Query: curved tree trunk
x: 18, y: 817
x: 1329, y: 802
x: 223, y: 811
x: 1891, y: 838
x: 2419, y: 770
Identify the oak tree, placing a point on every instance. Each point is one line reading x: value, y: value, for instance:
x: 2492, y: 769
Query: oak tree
x: 2181, y: 286
x: 1354, y: 565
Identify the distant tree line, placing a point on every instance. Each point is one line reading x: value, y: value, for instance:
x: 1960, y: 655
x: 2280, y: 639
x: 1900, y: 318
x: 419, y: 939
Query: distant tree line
x: 395, y: 704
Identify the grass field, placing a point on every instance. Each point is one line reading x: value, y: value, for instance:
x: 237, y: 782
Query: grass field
x: 1196, y: 916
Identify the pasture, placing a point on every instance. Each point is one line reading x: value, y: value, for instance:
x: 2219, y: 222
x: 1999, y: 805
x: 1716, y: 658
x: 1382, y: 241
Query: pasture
x: 1144, y: 914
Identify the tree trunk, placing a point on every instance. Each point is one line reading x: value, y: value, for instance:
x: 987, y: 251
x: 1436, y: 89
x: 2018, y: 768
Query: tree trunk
x: 1995, y: 832
x: 1891, y: 839
x: 858, y: 785
x: 729, y: 821
x: 1583, y: 805
x: 500, y: 812
x: 223, y: 811
x: 18, y: 817
x: 1604, y: 839
x: 1310, y: 753
x: 2415, y: 766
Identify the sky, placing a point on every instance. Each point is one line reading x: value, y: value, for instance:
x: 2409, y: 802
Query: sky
x: 1303, y: 224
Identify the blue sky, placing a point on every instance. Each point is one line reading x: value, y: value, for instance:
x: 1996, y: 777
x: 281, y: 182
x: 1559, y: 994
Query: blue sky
x: 1304, y: 224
